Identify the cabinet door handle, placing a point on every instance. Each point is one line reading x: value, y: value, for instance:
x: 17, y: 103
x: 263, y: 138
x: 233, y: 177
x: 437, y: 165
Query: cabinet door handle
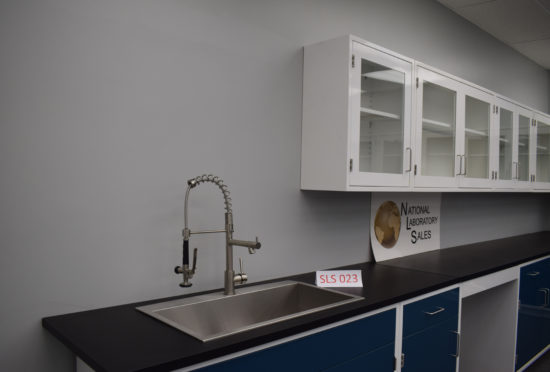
x: 546, y: 292
x: 460, y: 166
x: 534, y: 273
x: 409, y: 150
x: 457, y: 354
x: 465, y: 171
x: 439, y: 310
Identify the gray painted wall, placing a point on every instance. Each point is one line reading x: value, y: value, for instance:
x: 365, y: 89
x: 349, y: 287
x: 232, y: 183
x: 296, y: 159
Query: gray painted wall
x: 107, y: 107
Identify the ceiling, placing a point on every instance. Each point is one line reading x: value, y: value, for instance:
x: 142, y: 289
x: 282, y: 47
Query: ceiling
x: 522, y: 24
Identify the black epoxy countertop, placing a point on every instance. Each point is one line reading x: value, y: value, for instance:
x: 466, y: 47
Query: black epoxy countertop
x: 122, y: 339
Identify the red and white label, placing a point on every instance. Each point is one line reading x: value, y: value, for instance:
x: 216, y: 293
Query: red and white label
x: 339, y: 278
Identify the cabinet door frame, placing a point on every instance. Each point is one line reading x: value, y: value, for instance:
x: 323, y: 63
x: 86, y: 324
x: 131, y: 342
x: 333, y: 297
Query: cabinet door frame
x: 539, y: 119
x: 527, y: 185
x: 509, y: 106
x: 481, y: 183
x: 357, y: 178
x: 424, y: 74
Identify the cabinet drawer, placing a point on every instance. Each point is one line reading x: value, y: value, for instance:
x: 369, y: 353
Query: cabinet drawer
x: 429, y: 311
x: 319, y: 351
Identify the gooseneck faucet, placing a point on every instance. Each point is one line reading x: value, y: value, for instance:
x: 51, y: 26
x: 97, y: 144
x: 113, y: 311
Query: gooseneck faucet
x: 230, y: 278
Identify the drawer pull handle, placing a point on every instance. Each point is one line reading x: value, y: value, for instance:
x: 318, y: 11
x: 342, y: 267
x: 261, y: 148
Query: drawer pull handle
x: 534, y: 273
x: 439, y: 310
x: 457, y: 344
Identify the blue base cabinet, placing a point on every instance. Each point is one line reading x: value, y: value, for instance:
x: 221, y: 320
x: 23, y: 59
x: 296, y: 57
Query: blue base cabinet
x: 366, y: 344
x: 534, y: 311
x: 430, y: 333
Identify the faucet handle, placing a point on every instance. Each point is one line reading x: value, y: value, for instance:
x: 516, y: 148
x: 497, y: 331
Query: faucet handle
x: 241, y: 277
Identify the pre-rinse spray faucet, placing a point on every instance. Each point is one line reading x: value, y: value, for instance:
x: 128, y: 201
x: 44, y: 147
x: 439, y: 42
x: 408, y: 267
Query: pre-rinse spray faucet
x: 230, y: 278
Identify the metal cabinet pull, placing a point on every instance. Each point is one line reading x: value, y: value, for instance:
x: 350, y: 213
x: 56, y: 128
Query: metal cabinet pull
x: 460, y: 166
x: 534, y: 273
x: 409, y: 150
x: 546, y: 292
x: 465, y: 171
x: 457, y: 344
x: 439, y: 310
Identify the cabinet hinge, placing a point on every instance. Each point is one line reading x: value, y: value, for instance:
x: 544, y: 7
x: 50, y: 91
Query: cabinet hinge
x: 353, y: 60
x: 417, y: 82
x: 350, y: 165
x: 402, y: 360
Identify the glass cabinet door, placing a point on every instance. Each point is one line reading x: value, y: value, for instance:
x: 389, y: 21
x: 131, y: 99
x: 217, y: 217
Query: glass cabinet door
x: 506, y: 162
x: 478, y: 152
x: 542, y: 174
x: 476, y: 138
x: 381, y: 86
x: 436, y: 131
x: 525, y: 147
x: 381, y: 128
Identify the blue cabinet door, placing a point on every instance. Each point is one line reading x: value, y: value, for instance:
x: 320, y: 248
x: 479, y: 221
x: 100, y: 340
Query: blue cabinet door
x: 432, y: 349
x: 379, y: 360
x: 533, y: 329
x: 322, y: 350
x: 430, y: 335
x: 534, y: 311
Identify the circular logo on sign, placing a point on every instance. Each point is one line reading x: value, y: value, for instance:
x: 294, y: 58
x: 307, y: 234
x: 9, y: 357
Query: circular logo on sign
x: 387, y: 224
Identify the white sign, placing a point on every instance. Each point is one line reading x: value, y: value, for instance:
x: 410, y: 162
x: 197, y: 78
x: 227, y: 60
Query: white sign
x: 339, y: 278
x: 402, y: 224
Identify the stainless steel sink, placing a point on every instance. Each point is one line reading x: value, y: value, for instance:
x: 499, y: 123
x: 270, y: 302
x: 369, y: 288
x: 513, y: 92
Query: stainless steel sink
x: 213, y: 316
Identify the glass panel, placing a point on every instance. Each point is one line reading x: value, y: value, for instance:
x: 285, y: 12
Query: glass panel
x: 477, y: 138
x: 438, y: 131
x: 505, y: 144
x: 381, y: 128
x: 543, y: 153
x: 523, y: 148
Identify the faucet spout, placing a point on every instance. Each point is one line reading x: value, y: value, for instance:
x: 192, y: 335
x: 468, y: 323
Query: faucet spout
x: 230, y: 277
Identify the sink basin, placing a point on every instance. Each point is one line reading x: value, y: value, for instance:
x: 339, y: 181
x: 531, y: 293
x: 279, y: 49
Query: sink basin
x: 213, y: 316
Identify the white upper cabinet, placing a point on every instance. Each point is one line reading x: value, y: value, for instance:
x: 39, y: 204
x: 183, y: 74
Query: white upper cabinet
x: 356, y: 126
x: 454, y: 133
x: 374, y: 120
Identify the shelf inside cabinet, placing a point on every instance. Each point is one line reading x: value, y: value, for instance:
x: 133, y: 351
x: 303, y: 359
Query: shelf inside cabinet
x: 383, y: 114
x: 392, y: 76
x: 436, y: 123
x: 476, y: 132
